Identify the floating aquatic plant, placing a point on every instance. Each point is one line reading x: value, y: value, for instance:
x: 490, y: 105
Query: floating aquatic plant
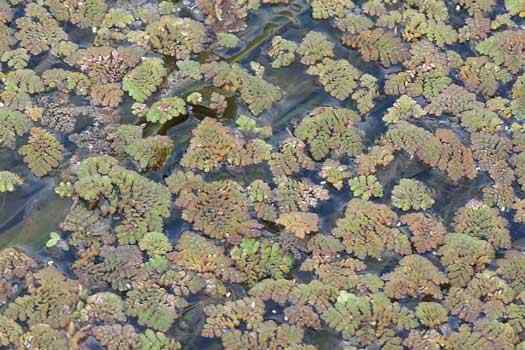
x: 330, y: 130
x: 43, y: 152
x: 276, y: 127
x: 366, y: 187
x: 8, y: 181
x: 145, y: 79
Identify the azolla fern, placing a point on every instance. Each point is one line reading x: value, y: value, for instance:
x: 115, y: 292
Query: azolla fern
x: 262, y: 174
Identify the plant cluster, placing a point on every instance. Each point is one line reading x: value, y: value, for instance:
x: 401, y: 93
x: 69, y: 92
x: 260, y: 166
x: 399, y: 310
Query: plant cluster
x: 353, y: 180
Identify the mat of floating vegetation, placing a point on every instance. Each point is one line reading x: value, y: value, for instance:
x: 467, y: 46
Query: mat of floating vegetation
x: 262, y: 174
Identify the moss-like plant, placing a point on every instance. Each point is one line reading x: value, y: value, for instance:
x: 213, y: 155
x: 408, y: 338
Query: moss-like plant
x: 282, y: 52
x: 330, y: 130
x: 299, y: 223
x: 314, y: 47
x: 338, y: 77
x: 362, y: 316
x: 150, y: 152
x: 155, y: 243
x: 481, y: 221
x: 415, y: 276
x: 411, y: 194
x: 431, y: 314
x: 145, y: 79
x: 43, y: 152
x: 8, y: 181
x: 368, y: 229
x: 261, y: 259
x: 404, y: 108
x: 175, y: 36
x: 366, y: 187
x: 463, y: 255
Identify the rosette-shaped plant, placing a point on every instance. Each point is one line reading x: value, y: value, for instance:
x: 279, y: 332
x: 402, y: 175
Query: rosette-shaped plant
x: 83, y: 13
x: 196, y: 253
x: 369, y: 320
x: 463, y: 256
x: 481, y: 221
x: 150, y: 152
x: 52, y: 300
x: 222, y: 319
x: 142, y: 204
x: 257, y: 93
x: 10, y: 332
x: 415, y: 276
x: 431, y: 314
x: 16, y: 59
x: 515, y: 7
x: 226, y: 15
x: 324, y: 9
x: 104, y: 307
x: 153, y: 306
x: 150, y: 340
x: 220, y: 209
x: 365, y: 94
x: 505, y: 48
x: 12, y: 125
x: 106, y: 95
x: 145, y: 79
x: 378, y: 156
x: 335, y: 173
x: 15, y: 267
x: 486, y: 294
x: 330, y: 130
x: 411, y: 194
x: 166, y: 109
x: 317, y: 294
x: 368, y: 229
x: 214, y: 145
x: 403, y: 109
x: 59, y: 117
x: 23, y: 81
x: 480, y: 75
x: 42, y: 153
x: 282, y: 52
x: 314, y: 47
x: 155, y: 243
x: 66, y: 81
x: 117, y: 267
x: 176, y: 36
x: 366, y: 187
x: 455, y: 159
x: 43, y: 336
x: 261, y: 196
x: 291, y: 158
x: 485, y: 334
x: 299, y: 223
x: 453, y: 100
x: 338, y: 77
x: 481, y: 119
x: 38, y: 31
x: 105, y: 65
x: 298, y: 195
x: 277, y: 290
x: 267, y: 335
x: 116, y: 336
x: 261, y: 259
x: 427, y: 231
x: 8, y: 181
x: 511, y: 269
x: 378, y: 45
